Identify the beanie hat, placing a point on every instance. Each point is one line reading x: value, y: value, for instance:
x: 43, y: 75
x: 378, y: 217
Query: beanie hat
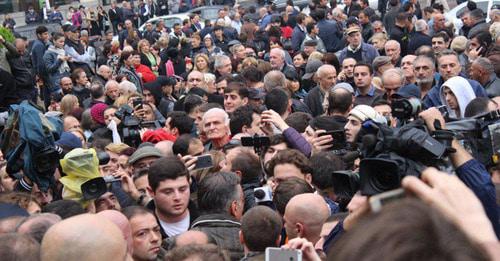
x: 365, y: 112
x: 97, y: 112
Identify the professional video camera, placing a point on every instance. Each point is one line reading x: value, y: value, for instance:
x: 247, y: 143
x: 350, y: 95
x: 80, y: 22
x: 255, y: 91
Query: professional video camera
x: 480, y: 136
x: 390, y: 154
x: 131, y: 125
x: 96, y: 187
x: 406, y: 108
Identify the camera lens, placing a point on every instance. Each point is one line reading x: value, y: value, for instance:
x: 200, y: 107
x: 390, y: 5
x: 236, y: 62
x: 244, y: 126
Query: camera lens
x: 259, y: 193
x: 384, y: 181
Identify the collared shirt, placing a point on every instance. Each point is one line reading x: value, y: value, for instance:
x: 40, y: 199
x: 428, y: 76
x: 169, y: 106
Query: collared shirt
x: 349, y: 48
x: 370, y: 93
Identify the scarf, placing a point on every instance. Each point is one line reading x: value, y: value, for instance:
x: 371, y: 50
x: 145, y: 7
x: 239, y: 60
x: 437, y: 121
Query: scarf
x: 64, y: 68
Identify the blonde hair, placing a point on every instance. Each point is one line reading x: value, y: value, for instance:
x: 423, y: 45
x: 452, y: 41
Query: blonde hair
x: 122, y: 100
x: 163, y: 42
x: 141, y: 44
x: 204, y: 57
x: 316, y: 56
x: 68, y: 103
x: 249, y: 61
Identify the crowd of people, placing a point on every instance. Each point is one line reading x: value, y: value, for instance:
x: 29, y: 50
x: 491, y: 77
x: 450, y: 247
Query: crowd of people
x: 280, y: 101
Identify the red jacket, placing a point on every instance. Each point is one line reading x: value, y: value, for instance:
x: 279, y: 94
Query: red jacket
x: 147, y: 74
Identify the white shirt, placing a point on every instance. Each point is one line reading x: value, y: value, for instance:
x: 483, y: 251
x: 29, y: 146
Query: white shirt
x: 173, y: 229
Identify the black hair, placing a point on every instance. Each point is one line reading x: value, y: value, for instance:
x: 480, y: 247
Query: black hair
x: 299, y: 121
x: 277, y: 100
x: 41, y: 29
x: 191, y: 102
x: 181, y: 121
x: 241, y: 117
x: 181, y: 145
x: 166, y: 168
x: 359, y: 64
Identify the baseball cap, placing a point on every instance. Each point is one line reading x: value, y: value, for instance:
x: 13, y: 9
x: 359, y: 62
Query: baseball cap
x: 144, y: 152
x: 352, y: 29
x: 311, y: 68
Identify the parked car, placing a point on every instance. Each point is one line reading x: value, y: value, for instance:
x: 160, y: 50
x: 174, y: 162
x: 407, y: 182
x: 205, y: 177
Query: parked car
x: 205, y: 13
x: 454, y: 14
x: 169, y: 20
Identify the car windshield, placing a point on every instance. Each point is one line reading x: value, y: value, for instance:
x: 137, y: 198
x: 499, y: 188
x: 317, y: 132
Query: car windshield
x: 483, y: 5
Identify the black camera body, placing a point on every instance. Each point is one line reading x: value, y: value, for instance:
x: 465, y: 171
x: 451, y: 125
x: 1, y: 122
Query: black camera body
x: 131, y: 125
x: 390, y: 154
x: 406, y: 108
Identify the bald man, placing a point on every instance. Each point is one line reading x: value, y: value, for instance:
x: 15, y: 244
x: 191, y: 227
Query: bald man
x: 70, y: 123
x: 327, y: 77
x: 121, y: 221
x: 304, y: 216
x: 191, y: 237
x: 165, y: 147
x: 38, y: 224
x: 104, y: 74
x: 83, y: 237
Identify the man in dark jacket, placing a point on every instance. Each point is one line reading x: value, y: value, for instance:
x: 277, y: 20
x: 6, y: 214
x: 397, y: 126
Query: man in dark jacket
x: 24, y: 76
x: 326, y: 75
x: 220, y: 200
x: 482, y: 70
x: 299, y: 32
x: 115, y: 16
x: 328, y: 32
x: 400, y: 32
x: 420, y: 37
x: 478, y: 23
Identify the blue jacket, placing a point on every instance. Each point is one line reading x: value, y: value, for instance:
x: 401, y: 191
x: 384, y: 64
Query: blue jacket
x: 475, y: 176
x: 37, y: 51
x: 432, y: 99
x: 368, y: 53
x: 331, y: 36
x: 52, y: 65
x: 298, y: 37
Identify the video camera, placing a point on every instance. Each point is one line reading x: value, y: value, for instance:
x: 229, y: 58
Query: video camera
x: 390, y: 154
x: 94, y: 188
x: 406, y: 108
x: 131, y: 125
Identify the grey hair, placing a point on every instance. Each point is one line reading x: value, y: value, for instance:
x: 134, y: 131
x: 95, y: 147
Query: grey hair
x: 420, y: 25
x: 380, y: 61
x: 217, y: 110
x: 219, y: 60
x: 486, y: 64
x: 281, y: 51
x: 274, y: 79
x: 109, y: 83
x: 127, y: 86
x: 425, y: 57
x: 396, y: 71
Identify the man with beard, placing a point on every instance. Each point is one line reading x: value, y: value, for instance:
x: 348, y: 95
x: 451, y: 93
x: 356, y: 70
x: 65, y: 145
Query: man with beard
x: 424, y: 74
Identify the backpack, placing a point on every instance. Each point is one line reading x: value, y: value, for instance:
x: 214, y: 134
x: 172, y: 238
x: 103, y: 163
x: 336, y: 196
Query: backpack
x: 28, y: 143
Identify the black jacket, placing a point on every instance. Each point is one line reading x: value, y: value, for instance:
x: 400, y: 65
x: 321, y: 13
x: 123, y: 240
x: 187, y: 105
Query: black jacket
x: 417, y: 40
x: 22, y: 73
x: 115, y: 15
x: 222, y: 229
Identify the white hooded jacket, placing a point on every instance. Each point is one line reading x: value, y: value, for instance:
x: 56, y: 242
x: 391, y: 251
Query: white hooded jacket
x: 462, y: 90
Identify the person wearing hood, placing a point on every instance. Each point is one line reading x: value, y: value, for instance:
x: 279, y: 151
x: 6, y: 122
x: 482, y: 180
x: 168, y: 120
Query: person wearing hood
x: 56, y: 62
x: 456, y: 93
